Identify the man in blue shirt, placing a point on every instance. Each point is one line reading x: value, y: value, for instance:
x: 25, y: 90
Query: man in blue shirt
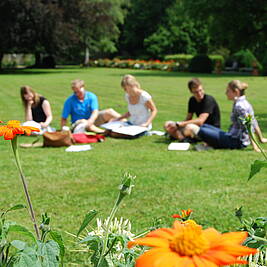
x: 83, y: 108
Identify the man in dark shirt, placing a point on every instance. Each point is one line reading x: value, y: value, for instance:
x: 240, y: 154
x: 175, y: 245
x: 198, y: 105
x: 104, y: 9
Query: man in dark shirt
x: 204, y: 106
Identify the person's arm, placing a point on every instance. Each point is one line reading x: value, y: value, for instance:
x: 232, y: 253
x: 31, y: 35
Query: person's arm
x: 198, y: 121
x: 47, y: 110
x: 189, y: 116
x: 28, y: 111
x: 150, y: 105
x: 259, y: 134
x: 63, y: 122
x: 92, y: 118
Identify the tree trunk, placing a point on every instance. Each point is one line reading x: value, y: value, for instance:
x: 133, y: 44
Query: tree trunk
x: 38, y: 60
x: 1, y: 58
x: 86, y: 57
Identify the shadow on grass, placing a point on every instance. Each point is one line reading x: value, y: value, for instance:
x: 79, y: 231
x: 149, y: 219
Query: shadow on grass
x: 30, y: 71
x: 165, y: 74
x: 163, y: 140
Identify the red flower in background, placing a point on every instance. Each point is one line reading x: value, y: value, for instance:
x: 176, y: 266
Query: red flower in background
x: 184, y: 216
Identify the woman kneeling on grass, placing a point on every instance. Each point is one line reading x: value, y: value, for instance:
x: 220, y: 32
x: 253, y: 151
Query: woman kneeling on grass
x: 237, y: 137
x: 37, y: 110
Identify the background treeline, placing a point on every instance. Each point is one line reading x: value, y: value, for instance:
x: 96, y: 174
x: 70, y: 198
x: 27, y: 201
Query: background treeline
x: 73, y: 31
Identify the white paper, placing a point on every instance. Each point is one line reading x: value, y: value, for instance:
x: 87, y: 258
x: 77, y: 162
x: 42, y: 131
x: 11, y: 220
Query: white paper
x: 78, y: 148
x: 178, y: 146
x: 123, y: 127
x: 130, y: 130
x: 113, y: 125
x: 159, y: 133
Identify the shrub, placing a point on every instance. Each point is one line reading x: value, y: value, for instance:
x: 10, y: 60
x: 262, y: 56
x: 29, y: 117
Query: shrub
x: 201, y: 64
x: 183, y: 60
x: 245, y: 58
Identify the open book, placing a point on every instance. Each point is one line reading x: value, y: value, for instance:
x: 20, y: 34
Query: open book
x: 123, y: 127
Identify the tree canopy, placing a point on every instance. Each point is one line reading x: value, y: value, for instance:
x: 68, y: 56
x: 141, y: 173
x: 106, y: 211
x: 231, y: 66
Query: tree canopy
x: 77, y: 29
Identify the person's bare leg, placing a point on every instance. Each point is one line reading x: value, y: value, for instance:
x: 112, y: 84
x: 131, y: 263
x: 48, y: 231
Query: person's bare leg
x: 95, y: 129
x: 110, y: 114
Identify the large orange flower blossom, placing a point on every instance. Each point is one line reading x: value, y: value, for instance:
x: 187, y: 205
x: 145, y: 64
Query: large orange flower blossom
x: 186, y: 244
x: 13, y: 128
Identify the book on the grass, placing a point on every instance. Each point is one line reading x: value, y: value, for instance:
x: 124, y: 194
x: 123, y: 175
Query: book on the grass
x: 178, y: 146
x: 124, y: 128
x: 113, y: 125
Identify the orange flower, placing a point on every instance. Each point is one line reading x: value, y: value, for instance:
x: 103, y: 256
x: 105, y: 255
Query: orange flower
x: 13, y: 128
x: 186, y: 244
x: 185, y: 214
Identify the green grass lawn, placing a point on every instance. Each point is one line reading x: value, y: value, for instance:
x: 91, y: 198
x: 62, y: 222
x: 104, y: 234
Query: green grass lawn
x: 67, y: 185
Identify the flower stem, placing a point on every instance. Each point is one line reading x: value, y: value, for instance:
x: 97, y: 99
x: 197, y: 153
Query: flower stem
x: 23, y: 179
x: 111, y: 216
x: 256, y: 142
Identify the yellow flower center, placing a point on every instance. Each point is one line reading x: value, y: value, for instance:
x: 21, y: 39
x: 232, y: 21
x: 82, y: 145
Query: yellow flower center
x: 189, y: 241
x: 13, y: 124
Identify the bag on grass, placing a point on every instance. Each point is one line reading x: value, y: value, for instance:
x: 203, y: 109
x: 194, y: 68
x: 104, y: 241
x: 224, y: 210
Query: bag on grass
x: 58, y: 139
x: 83, y: 138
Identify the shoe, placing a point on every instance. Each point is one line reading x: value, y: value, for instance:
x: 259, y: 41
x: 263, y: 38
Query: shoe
x: 202, y: 147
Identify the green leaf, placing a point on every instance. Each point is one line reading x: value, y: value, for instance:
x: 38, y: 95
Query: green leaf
x: 22, y: 230
x: 256, y: 167
x: 56, y: 236
x: 27, y: 257
x: 88, y: 218
x: 20, y: 245
x: 90, y: 238
x: 16, y: 207
x: 49, y: 251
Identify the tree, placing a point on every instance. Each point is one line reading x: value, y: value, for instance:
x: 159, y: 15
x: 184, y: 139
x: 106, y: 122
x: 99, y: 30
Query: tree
x: 178, y: 34
x: 55, y: 27
x: 96, y: 23
x: 233, y: 24
x: 142, y: 20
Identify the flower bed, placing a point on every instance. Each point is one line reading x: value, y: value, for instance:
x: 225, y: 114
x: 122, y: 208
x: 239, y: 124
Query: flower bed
x: 169, y: 65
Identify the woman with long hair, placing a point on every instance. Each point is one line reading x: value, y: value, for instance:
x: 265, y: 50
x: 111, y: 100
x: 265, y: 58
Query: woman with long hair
x: 37, y: 109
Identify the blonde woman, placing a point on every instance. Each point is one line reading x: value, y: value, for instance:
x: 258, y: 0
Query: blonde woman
x: 141, y: 108
x: 37, y: 109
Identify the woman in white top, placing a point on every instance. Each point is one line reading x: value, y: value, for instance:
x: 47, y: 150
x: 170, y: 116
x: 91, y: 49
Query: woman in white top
x: 141, y: 108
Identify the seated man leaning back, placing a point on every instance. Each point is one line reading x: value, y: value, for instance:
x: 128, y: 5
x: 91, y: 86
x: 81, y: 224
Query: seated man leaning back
x: 82, y: 106
x: 204, y: 106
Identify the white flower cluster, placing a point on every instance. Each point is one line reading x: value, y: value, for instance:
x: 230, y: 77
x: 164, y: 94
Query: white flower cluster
x: 117, y: 226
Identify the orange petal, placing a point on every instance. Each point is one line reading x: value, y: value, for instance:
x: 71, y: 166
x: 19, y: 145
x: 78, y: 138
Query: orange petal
x: 150, y: 257
x: 219, y: 257
x: 212, y: 235
x: 172, y: 259
x: 235, y: 237
x: 166, y: 233
x: 150, y: 242
x: 177, y: 225
x: 202, y: 262
x: 8, y: 134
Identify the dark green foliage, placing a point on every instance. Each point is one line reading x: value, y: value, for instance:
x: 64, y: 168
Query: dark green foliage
x: 245, y: 58
x: 200, y: 64
x: 264, y: 63
x: 178, y: 33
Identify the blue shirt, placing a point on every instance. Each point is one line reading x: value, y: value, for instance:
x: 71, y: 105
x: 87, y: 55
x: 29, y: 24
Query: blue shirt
x: 80, y: 109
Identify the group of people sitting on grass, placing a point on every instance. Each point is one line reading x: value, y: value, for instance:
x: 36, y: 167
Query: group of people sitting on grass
x: 83, y: 108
